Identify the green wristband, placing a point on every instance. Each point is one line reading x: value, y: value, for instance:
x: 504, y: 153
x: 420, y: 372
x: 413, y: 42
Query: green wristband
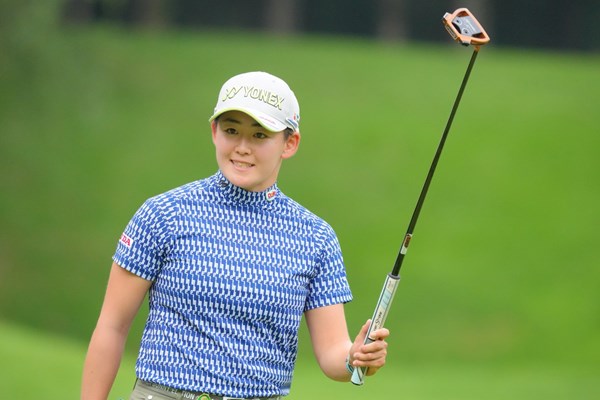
x: 349, y: 367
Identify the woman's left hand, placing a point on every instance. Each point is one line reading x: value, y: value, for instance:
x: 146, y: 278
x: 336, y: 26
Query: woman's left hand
x: 372, y: 355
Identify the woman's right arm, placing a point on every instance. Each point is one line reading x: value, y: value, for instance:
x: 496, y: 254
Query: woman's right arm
x: 124, y: 295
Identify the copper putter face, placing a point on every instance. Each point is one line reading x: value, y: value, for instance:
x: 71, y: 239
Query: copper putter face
x: 464, y: 28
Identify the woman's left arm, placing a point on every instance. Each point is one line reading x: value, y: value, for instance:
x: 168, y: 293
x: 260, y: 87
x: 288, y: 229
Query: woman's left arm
x: 332, y: 345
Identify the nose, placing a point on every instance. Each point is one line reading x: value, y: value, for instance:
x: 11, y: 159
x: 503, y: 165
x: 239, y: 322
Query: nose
x: 243, y: 145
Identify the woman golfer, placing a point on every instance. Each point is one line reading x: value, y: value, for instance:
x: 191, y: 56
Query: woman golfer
x: 230, y: 264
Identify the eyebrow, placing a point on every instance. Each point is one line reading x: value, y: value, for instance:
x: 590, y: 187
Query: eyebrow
x: 235, y: 121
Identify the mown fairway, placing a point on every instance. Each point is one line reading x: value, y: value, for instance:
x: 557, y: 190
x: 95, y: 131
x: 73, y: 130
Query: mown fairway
x: 499, y: 295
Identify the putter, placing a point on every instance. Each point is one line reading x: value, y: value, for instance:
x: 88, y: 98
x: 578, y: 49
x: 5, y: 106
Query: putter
x: 465, y: 29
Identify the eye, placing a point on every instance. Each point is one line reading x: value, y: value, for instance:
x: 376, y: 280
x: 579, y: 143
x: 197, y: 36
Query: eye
x: 261, y: 135
x: 231, y: 131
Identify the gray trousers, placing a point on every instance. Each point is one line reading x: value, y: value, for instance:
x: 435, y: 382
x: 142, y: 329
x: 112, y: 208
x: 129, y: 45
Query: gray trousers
x: 147, y: 391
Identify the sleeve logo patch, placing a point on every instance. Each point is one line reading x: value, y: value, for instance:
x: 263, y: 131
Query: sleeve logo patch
x: 126, y: 240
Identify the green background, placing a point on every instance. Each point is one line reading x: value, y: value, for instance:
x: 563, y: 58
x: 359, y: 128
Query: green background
x: 499, y: 297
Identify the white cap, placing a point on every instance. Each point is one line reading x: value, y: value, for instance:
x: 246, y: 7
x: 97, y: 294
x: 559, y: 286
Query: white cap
x: 264, y: 97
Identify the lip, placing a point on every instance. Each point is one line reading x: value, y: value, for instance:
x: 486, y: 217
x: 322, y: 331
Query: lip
x: 241, y: 165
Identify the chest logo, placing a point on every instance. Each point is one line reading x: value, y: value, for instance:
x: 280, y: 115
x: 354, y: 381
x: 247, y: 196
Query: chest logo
x: 271, y: 194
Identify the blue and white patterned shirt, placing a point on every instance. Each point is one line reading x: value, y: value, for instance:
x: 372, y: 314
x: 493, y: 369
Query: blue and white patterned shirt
x: 233, y: 271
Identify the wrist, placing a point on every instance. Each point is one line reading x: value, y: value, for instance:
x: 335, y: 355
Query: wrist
x: 349, y: 367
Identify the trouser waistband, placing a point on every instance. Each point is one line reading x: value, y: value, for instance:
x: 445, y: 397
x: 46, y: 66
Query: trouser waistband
x: 185, y: 395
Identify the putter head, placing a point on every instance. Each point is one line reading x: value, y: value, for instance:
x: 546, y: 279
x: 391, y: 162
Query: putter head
x: 464, y: 28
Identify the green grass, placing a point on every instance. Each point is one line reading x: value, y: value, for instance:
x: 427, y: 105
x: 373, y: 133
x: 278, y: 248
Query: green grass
x: 37, y: 364
x: 41, y: 365
x: 499, y: 291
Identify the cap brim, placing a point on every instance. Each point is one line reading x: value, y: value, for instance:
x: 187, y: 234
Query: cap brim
x: 263, y: 119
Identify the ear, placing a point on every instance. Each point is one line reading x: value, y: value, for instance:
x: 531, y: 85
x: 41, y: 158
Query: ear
x: 291, y: 145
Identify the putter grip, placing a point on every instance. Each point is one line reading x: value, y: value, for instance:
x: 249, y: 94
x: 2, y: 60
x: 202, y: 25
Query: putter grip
x: 381, y: 311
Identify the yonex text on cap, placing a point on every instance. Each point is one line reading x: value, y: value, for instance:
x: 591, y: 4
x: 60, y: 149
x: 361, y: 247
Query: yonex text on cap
x: 264, y: 97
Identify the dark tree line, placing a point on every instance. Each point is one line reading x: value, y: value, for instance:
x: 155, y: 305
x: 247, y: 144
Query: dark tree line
x: 573, y: 24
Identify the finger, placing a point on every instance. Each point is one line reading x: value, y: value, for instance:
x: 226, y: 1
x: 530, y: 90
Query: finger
x: 371, y: 360
x: 371, y: 352
x: 376, y: 343
x: 379, y: 334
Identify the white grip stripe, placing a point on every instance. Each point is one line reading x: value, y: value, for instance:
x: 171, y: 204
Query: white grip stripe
x: 379, y: 316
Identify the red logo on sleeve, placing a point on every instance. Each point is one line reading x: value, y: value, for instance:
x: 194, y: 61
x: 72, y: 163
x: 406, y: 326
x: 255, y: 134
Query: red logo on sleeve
x: 126, y: 240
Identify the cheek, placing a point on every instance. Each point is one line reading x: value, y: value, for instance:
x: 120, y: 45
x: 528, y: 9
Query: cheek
x: 272, y: 152
x: 221, y: 143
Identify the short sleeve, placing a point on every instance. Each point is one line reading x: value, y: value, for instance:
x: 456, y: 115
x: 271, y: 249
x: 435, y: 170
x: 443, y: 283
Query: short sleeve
x: 144, y: 243
x: 330, y: 285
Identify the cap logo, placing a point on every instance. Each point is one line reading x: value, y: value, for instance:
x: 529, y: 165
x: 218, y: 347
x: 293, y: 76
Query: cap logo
x: 255, y: 93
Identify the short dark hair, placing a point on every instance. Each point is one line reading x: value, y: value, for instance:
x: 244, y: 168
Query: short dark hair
x: 288, y: 132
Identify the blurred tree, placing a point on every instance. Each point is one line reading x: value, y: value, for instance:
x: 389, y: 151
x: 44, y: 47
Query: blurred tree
x: 392, y: 20
x: 579, y: 20
x: 147, y: 13
x: 569, y: 25
x: 282, y: 16
x: 482, y: 9
x: 78, y: 10
x: 26, y: 31
x: 535, y: 23
x: 340, y: 17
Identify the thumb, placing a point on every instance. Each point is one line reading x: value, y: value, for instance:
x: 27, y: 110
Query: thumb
x: 362, y: 334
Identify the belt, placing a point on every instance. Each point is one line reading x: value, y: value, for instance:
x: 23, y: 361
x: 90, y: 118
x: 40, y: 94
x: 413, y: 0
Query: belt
x: 200, y: 395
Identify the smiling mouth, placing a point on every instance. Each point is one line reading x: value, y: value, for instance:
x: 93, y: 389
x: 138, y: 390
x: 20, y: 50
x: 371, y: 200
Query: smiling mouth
x: 241, y: 164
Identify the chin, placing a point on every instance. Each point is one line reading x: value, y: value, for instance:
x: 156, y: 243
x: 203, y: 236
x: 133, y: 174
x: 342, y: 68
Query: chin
x: 239, y: 181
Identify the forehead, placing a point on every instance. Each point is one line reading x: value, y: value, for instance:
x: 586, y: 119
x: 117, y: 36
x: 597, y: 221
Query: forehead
x: 238, y: 118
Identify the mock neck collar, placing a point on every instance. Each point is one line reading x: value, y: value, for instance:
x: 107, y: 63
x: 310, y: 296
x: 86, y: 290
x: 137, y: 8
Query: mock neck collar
x: 237, y: 195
